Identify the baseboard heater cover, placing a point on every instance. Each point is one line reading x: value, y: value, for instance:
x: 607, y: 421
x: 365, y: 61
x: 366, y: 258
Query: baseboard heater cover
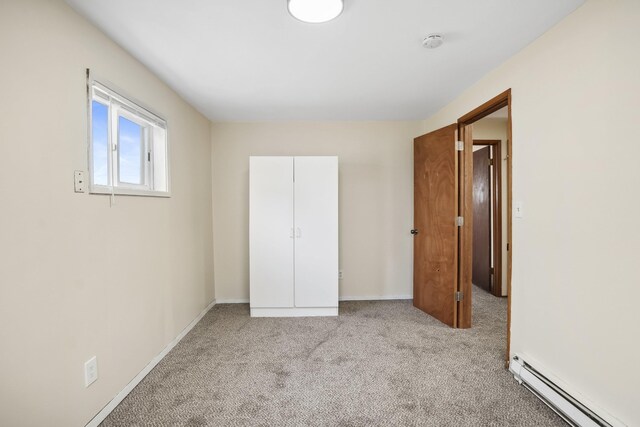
x: 571, y: 410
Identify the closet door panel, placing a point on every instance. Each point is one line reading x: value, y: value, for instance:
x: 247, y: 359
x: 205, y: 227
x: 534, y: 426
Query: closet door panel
x: 271, y: 240
x: 316, y: 222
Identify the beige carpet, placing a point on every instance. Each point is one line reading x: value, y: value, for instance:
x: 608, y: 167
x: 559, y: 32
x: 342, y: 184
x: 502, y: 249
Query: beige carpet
x: 380, y: 363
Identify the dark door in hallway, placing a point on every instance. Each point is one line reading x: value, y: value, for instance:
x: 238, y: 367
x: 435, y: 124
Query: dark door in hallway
x: 435, y: 232
x: 482, y: 250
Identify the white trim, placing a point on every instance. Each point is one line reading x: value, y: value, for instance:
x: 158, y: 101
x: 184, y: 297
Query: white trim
x: 100, y: 416
x: 352, y: 298
x: 124, y: 191
x: 294, y: 312
x: 233, y: 301
x: 376, y: 298
x: 114, y: 91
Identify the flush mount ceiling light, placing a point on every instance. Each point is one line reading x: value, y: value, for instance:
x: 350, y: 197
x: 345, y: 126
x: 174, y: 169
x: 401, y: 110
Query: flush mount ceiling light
x: 315, y: 11
x: 433, y: 41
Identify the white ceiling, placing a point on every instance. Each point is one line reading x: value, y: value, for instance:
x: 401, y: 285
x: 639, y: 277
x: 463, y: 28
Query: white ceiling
x: 250, y: 60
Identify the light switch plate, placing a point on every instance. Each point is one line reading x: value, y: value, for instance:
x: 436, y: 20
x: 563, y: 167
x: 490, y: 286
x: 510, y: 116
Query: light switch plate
x: 79, y: 183
x: 519, y: 209
x: 90, y: 371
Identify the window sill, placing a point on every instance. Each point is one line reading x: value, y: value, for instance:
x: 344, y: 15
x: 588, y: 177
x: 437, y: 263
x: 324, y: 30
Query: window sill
x: 128, y: 192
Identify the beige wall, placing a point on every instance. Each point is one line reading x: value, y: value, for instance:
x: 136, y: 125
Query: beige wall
x: 496, y: 128
x: 79, y: 278
x: 376, y: 199
x: 576, y: 100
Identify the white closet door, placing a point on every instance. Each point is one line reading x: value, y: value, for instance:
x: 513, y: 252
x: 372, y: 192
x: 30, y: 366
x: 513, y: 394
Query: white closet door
x: 271, y: 238
x: 316, y: 222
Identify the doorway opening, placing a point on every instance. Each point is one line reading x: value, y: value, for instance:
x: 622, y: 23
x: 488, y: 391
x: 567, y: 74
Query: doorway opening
x: 486, y: 197
x: 487, y: 216
x: 490, y: 204
x: 443, y: 217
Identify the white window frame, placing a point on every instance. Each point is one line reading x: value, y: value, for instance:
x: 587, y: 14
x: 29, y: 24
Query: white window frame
x: 152, y: 125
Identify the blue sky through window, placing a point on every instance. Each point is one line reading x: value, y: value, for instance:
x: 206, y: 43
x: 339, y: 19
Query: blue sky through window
x: 130, y: 151
x: 100, y: 117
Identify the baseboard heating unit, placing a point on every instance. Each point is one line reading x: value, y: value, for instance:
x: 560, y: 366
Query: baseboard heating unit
x: 572, y: 411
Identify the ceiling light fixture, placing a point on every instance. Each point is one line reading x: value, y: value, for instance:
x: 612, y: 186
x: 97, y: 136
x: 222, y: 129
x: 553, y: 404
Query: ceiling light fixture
x: 433, y: 41
x: 315, y: 11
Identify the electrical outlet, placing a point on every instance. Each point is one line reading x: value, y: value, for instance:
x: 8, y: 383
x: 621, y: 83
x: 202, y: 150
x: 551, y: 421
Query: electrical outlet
x: 340, y: 275
x: 79, y: 183
x: 90, y: 371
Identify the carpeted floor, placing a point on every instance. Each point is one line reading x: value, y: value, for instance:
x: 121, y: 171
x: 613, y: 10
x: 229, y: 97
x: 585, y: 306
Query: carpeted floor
x: 379, y: 363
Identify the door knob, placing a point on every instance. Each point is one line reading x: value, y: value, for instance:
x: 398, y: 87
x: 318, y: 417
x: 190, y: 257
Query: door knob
x: 414, y: 231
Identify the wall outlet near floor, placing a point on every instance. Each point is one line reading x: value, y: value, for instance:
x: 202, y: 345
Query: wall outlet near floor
x: 90, y: 371
x: 340, y: 275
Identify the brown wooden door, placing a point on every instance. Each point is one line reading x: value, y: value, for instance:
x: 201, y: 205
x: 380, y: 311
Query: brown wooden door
x: 481, y: 270
x: 435, y: 210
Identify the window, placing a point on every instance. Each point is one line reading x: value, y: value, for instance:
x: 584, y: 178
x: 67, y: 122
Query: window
x: 127, y: 147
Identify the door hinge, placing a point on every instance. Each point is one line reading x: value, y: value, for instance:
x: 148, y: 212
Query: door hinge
x: 148, y: 156
x: 490, y: 162
x: 460, y: 145
x: 493, y: 270
x: 460, y: 221
x: 459, y: 296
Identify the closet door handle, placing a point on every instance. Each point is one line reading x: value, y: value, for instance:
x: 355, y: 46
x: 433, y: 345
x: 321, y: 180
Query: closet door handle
x: 298, y: 232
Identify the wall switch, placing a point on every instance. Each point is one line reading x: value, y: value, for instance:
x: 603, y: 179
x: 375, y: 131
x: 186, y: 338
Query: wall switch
x: 79, y: 183
x: 90, y: 371
x: 340, y: 275
x: 518, y: 209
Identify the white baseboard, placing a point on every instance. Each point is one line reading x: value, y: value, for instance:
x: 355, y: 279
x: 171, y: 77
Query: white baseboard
x: 294, y: 312
x: 376, y: 298
x: 100, y: 416
x: 351, y: 298
x: 233, y: 301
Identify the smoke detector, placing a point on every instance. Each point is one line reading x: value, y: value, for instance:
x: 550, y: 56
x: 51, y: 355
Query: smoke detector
x: 433, y: 41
